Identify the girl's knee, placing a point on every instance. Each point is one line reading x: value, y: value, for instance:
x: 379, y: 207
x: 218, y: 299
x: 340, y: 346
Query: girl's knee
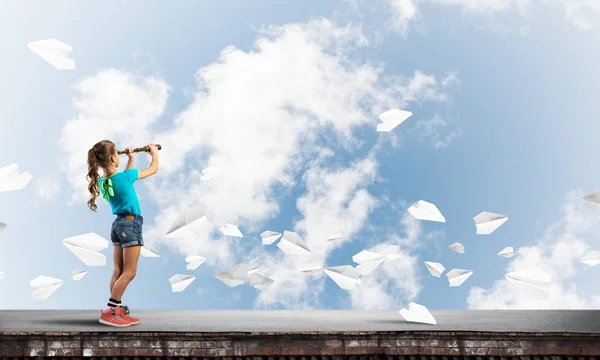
x: 130, y: 275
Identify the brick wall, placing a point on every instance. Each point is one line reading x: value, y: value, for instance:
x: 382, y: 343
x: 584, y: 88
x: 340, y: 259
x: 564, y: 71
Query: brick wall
x: 338, y: 345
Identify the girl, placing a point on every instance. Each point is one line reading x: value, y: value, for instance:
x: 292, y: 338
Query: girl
x: 126, y: 233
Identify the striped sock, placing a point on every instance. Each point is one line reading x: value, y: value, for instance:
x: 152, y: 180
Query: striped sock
x: 113, y: 303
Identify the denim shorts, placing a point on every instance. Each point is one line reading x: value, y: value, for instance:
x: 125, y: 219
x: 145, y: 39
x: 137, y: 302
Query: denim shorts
x: 127, y: 230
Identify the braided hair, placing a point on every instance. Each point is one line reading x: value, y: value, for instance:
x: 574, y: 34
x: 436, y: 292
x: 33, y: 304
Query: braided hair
x: 98, y: 156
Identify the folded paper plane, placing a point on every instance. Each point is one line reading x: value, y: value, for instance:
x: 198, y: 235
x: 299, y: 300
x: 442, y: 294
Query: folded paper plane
x: 189, y: 224
x: 2, y: 226
x: 418, y: 314
x: 593, y: 199
x: 367, y: 268
x: 237, y: 275
x: 458, y: 247
x: 209, y: 173
x: 269, y: 237
x: 334, y: 237
x: 194, y: 261
x: 367, y: 256
x: 487, y: 222
x: 435, y: 269
x: 592, y: 258
x: 2, y: 275
x: 392, y: 118
x: 78, y: 274
x: 44, y: 287
x: 533, y: 282
x: 148, y: 251
x: 291, y: 243
x: 507, y: 252
x: 55, y: 52
x: 458, y: 276
x: 231, y: 230
x: 345, y: 276
x: 11, y: 180
x: 180, y: 281
x: 87, y: 248
x: 313, y: 270
x: 424, y: 210
x: 259, y: 281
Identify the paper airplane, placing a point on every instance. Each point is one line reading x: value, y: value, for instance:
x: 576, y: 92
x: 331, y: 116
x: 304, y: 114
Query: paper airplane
x: 190, y: 224
x: 368, y: 260
x: 209, y: 173
x: 11, y: 180
x: 487, y: 222
x: 367, y: 268
x: 269, y: 237
x: 231, y: 230
x: 507, y: 252
x: 237, y: 275
x: 44, y: 287
x: 366, y: 256
x: 313, y: 271
x: 86, y: 247
x: 392, y: 118
x: 2, y: 275
x: 259, y: 281
x: 180, y: 281
x: 458, y: 247
x: 345, y: 276
x: 55, y: 52
x: 435, y: 269
x: 458, y: 276
x: 593, y: 199
x: 148, y: 251
x: 334, y: 237
x: 291, y: 243
x: 418, y: 314
x: 424, y: 210
x: 2, y: 226
x: 79, y: 274
x: 592, y: 258
x: 194, y: 261
x: 533, y: 282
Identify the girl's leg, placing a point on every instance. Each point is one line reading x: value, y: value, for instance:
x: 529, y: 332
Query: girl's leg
x: 131, y: 255
x: 118, y: 265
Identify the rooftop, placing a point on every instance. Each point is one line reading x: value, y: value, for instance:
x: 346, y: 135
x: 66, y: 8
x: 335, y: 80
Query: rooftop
x: 558, y: 321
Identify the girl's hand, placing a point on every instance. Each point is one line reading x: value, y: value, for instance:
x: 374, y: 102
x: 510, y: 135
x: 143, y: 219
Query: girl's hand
x: 153, y: 149
x: 129, y: 151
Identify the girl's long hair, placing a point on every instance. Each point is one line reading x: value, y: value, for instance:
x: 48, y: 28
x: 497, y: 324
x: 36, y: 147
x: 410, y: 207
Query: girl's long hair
x: 98, y: 156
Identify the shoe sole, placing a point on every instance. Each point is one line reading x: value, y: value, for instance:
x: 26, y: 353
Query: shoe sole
x: 113, y: 324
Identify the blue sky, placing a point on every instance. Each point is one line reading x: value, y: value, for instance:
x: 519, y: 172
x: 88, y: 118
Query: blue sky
x: 193, y: 77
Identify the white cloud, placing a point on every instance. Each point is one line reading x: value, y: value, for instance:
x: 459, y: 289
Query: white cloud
x: 259, y: 116
x: 404, y: 12
x: 479, y: 6
x: 578, y: 12
x: 431, y: 129
x: 47, y: 187
x: 558, y: 254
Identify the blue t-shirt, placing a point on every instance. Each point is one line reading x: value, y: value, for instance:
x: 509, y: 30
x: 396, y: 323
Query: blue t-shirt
x: 124, y: 198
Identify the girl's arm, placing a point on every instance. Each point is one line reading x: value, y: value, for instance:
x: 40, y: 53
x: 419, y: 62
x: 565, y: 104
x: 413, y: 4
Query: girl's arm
x: 130, y: 155
x: 153, y: 168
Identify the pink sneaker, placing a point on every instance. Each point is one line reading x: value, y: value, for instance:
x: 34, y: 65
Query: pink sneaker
x: 125, y: 315
x: 112, y: 317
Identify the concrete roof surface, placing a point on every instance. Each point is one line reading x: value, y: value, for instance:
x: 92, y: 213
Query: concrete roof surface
x: 575, y: 321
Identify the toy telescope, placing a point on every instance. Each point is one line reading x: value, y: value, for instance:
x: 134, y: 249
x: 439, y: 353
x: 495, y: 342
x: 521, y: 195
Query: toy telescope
x: 140, y: 149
